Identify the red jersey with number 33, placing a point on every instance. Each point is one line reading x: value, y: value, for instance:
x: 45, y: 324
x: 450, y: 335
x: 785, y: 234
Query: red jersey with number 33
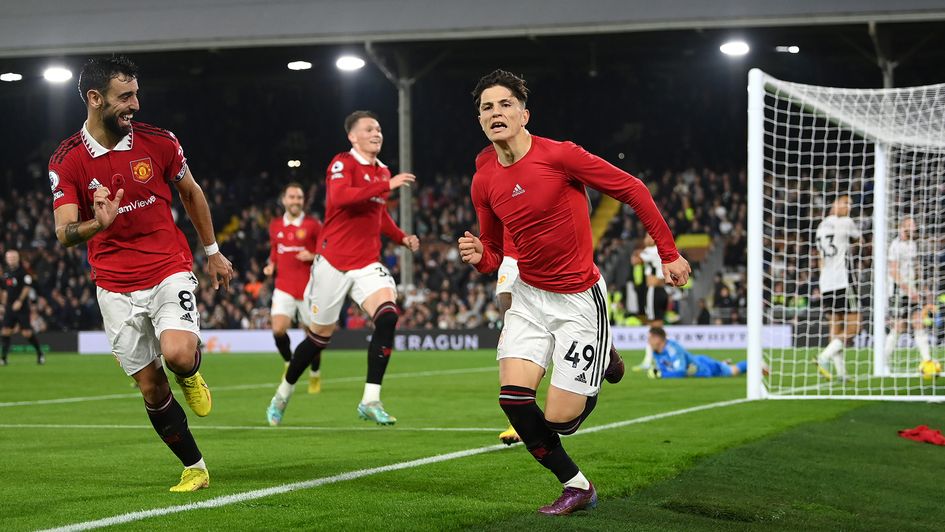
x: 356, y: 212
x: 143, y: 246
x: 286, y: 240
x: 541, y: 200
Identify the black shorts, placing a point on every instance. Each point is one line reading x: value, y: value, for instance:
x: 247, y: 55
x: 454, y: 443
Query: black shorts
x: 21, y: 317
x: 901, y: 307
x: 840, y: 301
x: 657, y: 301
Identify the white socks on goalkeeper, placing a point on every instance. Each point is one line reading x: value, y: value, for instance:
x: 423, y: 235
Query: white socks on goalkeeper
x: 834, y: 353
x: 647, y: 358
x: 922, y: 342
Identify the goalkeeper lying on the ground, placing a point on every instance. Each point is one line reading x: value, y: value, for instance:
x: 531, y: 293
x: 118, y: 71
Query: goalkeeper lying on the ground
x: 672, y: 361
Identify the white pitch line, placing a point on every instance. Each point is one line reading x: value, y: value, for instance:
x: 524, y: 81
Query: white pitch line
x: 235, y: 498
x: 254, y: 427
x: 272, y: 385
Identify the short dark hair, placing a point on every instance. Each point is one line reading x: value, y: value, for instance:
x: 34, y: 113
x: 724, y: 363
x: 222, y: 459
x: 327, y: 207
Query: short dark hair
x: 503, y: 78
x: 658, y: 331
x: 353, y: 118
x: 292, y: 184
x: 97, y: 73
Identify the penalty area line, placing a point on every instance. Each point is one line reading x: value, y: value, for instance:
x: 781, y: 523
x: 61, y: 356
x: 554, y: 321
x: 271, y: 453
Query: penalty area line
x: 236, y: 498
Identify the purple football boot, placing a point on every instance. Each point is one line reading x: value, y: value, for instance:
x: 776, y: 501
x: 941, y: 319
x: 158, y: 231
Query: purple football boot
x: 615, y: 369
x: 572, y: 500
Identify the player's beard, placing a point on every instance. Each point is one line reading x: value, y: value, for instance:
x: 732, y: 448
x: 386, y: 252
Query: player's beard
x: 111, y: 124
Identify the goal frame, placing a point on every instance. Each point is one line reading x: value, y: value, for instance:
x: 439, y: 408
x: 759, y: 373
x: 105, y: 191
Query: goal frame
x: 759, y: 85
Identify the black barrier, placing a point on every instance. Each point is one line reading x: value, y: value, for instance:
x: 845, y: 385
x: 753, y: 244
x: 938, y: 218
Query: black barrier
x: 51, y: 342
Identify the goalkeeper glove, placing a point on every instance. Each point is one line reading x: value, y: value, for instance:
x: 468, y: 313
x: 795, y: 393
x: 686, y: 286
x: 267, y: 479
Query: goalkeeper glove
x: 654, y: 373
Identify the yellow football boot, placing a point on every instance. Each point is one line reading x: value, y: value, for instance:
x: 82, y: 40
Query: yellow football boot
x: 315, y: 382
x: 192, y: 479
x: 509, y: 436
x: 196, y: 392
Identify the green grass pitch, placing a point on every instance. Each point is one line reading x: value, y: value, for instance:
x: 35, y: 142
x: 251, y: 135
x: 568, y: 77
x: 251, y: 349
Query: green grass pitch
x: 76, y: 446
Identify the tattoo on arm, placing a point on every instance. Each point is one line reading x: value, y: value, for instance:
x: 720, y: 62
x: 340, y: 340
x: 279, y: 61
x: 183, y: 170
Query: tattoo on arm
x: 72, y: 234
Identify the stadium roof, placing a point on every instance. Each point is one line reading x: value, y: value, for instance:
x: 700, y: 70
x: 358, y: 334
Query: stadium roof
x: 47, y: 27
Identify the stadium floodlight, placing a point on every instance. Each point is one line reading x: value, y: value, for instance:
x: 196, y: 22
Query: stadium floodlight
x: 881, y: 152
x: 294, y: 163
x: 299, y: 65
x: 11, y: 76
x: 349, y: 63
x: 57, y: 74
x: 734, y: 48
x: 788, y: 49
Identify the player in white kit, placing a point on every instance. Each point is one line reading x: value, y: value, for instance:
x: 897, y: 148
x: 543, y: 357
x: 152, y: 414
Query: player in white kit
x: 905, y: 299
x: 657, y: 300
x: 834, y: 238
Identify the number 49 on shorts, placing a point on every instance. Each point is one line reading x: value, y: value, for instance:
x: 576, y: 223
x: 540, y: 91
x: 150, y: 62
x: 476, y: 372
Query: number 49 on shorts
x: 574, y: 356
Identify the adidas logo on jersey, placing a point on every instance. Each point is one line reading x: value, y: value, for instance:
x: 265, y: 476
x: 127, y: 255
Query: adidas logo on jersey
x: 94, y: 184
x: 581, y: 378
x: 518, y: 190
x: 186, y: 317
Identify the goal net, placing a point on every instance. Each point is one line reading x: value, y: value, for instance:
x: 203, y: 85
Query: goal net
x: 846, y: 240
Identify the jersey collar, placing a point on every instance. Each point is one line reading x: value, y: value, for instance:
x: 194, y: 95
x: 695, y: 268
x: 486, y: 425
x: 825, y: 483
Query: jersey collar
x: 97, y: 150
x: 288, y: 221
x: 357, y: 157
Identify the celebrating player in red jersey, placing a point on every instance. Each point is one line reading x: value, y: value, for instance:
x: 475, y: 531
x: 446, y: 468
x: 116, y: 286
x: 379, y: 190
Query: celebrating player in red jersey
x: 140, y: 260
x: 349, y: 246
x: 292, y: 243
x: 535, y: 187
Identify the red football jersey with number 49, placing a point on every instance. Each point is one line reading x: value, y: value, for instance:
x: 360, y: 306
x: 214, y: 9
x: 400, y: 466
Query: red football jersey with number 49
x: 143, y: 246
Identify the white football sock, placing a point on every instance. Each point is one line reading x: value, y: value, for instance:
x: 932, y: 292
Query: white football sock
x: 579, y: 481
x: 922, y: 342
x: 839, y: 366
x: 285, y: 390
x: 199, y: 465
x: 372, y: 392
x: 892, y: 340
x: 647, y: 358
x: 835, y: 346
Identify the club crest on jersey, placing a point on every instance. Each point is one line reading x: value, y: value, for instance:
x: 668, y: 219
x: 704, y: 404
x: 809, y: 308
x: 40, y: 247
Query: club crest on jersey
x: 300, y: 234
x: 141, y: 170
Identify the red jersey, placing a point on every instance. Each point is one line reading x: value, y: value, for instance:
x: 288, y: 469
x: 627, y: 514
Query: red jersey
x: 286, y: 239
x: 143, y: 246
x: 508, y: 245
x: 356, y: 212
x: 541, y: 200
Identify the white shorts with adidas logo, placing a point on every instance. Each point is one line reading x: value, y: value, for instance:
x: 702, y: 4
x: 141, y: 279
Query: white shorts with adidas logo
x: 134, y: 321
x: 569, y: 331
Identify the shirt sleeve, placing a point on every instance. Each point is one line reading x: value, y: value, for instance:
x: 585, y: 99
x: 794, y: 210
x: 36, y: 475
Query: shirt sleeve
x: 389, y: 228
x: 343, y: 194
x: 176, y: 165
x: 490, y: 230
x: 854, y: 230
x: 597, y: 173
x: 62, y: 182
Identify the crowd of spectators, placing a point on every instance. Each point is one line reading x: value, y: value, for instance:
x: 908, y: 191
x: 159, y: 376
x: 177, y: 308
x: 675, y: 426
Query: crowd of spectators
x: 446, y: 294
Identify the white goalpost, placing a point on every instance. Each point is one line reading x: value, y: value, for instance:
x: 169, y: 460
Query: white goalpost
x: 846, y: 190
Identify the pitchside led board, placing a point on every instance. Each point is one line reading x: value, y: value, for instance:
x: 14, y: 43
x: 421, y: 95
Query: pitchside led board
x: 260, y: 341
